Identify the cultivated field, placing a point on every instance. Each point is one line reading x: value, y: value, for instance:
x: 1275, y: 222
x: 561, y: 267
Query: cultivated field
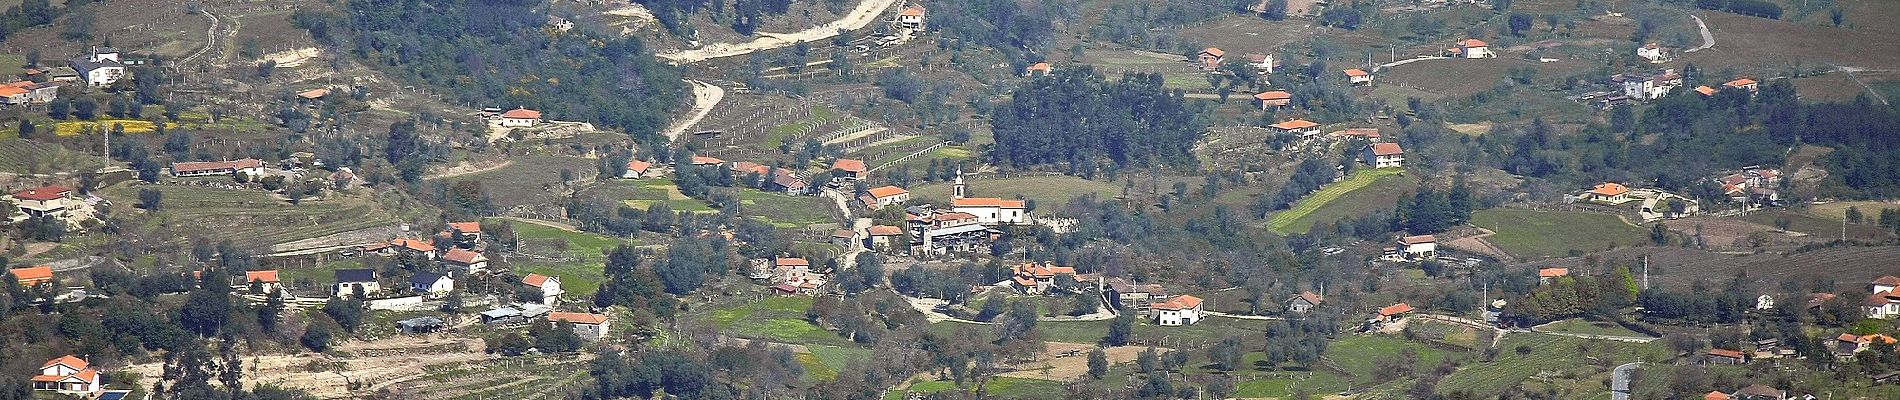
x: 248, y: 218
x: 578, y: 258
x: 1365, y: 191
x: 530, y: 180
x: 1532, y: 234
x: 31, y: 157
x: 778, y: 319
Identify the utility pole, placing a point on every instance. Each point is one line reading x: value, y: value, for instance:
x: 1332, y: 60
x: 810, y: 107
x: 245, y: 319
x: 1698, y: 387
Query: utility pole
x: 1645, y: 272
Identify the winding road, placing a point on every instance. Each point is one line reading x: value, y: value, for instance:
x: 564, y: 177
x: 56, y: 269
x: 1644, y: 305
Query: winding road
x: 866, y: 12
x: 1708, y: 38
x: 1620, y: 383
x: 705, y: 97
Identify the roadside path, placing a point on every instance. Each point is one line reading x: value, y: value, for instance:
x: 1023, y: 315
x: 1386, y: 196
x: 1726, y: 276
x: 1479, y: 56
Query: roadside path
x: 211, y: 37
x: 866, y: 12
x: 705, y: 97
x: 1708, y: 38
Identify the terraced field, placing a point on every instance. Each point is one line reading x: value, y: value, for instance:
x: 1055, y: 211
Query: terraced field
x: 1550, y: 356
x: 249, y: 218
x: 1367, y: 189
x: 30, y: 157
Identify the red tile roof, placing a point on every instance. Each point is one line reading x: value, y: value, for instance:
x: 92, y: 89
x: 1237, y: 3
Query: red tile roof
x: 638, y: 167
x: 1039, y: 67
x: 1294, y: 124
x: 1356, y: 72
x: 791, y: 261
x: 413, y: 244
x: 1610, y: 189
x: 1705, y: 90
x: 955, y: 216
x: 885, y: 230
x: 1418, y: 239
x: 1847, y: 337
x: 1181, y: 302
x: 1888, y: 280
x: 33, y: 273
x: 521, y: 113
x: 9, y: 91
x: 1715, y: 395
x: 1214, y: 51
x: 67, y: 360
x: 464, y: 256
x: 317, y: 93
x: 1369, y: 133
x: 1471, y: 43
x: 699, y: 160
x: 1553, y: 272
x: 913, y: 11
x: 1310, y: 297
x: 1387, y: 149
x: 536, y: 280
x: 1395, y: 309
x: 266, y: 276
x: 577, y: 318
x: 848, y: 165
x: 1273, y: 95
x: 1744, y: 82
x: 466, y: 227
x: 886, y: 191
x: 42, y: 193
x: 1725, y: 353
x: 987, y: 202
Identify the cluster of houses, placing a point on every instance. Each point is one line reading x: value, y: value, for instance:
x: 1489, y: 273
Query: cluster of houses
x: 1149, y: 301
x: 1653, y: 200
x: 1752, y: 186
x: 789, y: 275
x: 1644, y: 87
x: 1753, y: 392
x: 1739, y: 84
x: 968, y: 225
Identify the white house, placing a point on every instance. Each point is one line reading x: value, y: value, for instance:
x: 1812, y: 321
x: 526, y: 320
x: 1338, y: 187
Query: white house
x: 520, y: 118
x: 1261, y: 62
x: 1300, y: 127
x: 100, y: 68
x: 44, y: 201
x: 348, y: 281
x: 68, y: 375
x: 1210, y: 58
x: 1384, y: 155
x: 1273, y: 99
x: 431, y: 283
x: 1177, y: 311
x: 1609, y: 193
x: 637, y: 169
x: 1884, y: 302
x: 266, y: 280
x: 991, y: 211
x: 911, y: 18
x: 883, y: 196
x: 1764, y: 302
x: 1652, y: 52
x: 1036, y: 278
x: 1649, y: 87
x: 1419, y: 247
x: 464, y: 262
x: 1357, y: 76
x: 550, y: 286
x: 588, y: 326
x: 1471, y: 48
x: 1302, y: 303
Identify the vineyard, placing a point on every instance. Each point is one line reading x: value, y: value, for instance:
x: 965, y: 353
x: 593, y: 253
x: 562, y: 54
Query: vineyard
x: 249, y: 218
x: 30, y: 157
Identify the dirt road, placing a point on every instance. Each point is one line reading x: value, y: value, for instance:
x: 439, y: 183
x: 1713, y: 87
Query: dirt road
x: 705, y: 97
x: 1708, y: 38
x: 866, y: 12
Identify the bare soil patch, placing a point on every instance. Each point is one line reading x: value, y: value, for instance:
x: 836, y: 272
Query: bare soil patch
x: 1048, y: 366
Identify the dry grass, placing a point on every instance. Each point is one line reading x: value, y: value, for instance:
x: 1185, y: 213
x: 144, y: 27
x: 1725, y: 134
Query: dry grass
x: 1049, y: 367
x: 1763, y: 47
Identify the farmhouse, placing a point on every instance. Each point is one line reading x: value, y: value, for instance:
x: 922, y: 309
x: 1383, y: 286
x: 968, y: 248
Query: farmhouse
x: 1884, y: 301
x: 846, y: 169
x: 313, y: 94
x: 1177, y: 311
x: 1546, y: 275
x: 1847, y: 344
x: 1383, y: 155
x: 1418, y: 247
x: 588, y: 326
x: 1652, y: 52
x: 846, y: 238
x: 68, y: 375
x: 785, y: 181
x: 991, y: 211
x: 549, y: 286
x: 265, y: 281
x: 911, y: 18
x: 1369, y: 134
x: 1726, y: 356
x: 1300, y: 127
x: 1210, y: 58
x: 101, y: 68
x: 520, y: 118
x: 1038, y: 69
x: 32, y: 276
x: 1705, y: 91
x: 1261, y: 62
x: 884, y: 196
x: 742, y: 168
x: 350, y: 282
x: 28, y: 92
x: 882, y: 236
x: 1471, y: 49
x: 1036, y: 278
x: 466, y: 234
x: 1302, y: 303
x: 637, y: 169
x: 1393, y: 312
x: 1129, y: 296
x: 1273, y: 99
x: 248, y: 166
x: 464, y: 262
x: 1357, y: 76
x: 44, y: 202
x: 413, y: 248
x: 1744, y: 84
x: 1608, y: 193
x: 1647, y: 87
x: 431, y: 283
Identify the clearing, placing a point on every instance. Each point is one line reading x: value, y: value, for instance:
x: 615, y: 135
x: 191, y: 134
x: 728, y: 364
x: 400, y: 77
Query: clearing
x: 1532, y: 233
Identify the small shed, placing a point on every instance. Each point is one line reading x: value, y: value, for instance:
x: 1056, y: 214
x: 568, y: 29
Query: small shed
x: 421, y: 325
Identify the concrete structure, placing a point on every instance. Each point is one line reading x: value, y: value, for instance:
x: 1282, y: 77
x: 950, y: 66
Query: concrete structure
x: 1177, y: 311
x: 1383, y: 155
x: 520, y: 118
x: 588, y: 326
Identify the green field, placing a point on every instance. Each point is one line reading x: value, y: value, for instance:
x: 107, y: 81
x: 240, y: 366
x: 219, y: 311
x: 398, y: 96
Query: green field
x: 1531, y: 233
x: 644, y: 193
x: 786, y: 211
x: 1589, y: 328
x: 30, y: 157
x: 1381, y: 188
x: 779, y: 319
x: 581, y: 277
x: 529, y: 180
x: 1047, y: 191
x: 1000, y: 387
x: 248, y: 218
x: 1549, y: 354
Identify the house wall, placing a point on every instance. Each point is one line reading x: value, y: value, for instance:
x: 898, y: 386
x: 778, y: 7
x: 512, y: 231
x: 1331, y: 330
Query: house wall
x: 517, y: 122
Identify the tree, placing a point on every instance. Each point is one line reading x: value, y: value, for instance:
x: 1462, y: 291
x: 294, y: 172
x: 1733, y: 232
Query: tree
x: 1098, y: 363
x: 1519, y: 22
x: 1120, y: 329
x: 27, y: 129
x: 316, y: 337
x: 1854, y: 216
x: 151, y: 199
x: 1276, y: 10
x: 1226, y: 354
x: 1836, y: 16
x: 1782, y: 223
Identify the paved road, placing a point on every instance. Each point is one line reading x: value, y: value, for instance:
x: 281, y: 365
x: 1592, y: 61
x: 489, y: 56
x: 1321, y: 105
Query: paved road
x: 1620, y: 383
x: 705, y: 96
x: 1708, y: 39
x: 866, y: 12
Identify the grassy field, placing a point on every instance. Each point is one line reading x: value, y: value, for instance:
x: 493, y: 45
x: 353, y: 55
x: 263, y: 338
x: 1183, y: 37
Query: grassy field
x: 1000, y: 387
x: 1550, y: 355
x: 786, y: 211
x: 1047, y: 191
x: 1207, y: 330
x: 12, y: 64
x: 529, y: 180
x: 644, y: 193
x: 824, y: 362
x: 581, y: 277
x: 248, y: 218
x: 73, y: 128
x: 1822, y: 227
x: 778, y: 319
x: 1530, y: 233
x: 1381, y: 188
x: 819, y: 115
x: 1589, y: 328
